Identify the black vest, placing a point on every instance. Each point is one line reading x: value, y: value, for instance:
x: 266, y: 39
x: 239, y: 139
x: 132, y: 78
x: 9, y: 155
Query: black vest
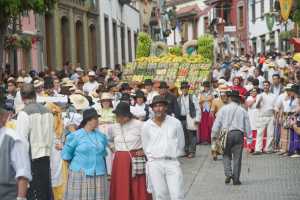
x: 192, y: 108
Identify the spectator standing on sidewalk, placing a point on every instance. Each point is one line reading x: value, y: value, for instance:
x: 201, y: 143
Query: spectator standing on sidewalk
x: 235, y: 119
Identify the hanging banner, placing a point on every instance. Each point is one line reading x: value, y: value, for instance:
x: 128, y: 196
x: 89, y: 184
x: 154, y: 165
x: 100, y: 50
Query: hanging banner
x: 285, y: 8
x: 270, y: 19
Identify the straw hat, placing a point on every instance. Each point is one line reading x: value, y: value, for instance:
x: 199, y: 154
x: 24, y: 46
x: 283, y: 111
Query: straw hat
x: 38, y: 83
x: 223, y: 88
x: 11, y: 79
x: 79, y: 101
x: 20, y: 80
x: 106, y: 96
x: 78, y: 69
x: 91, y: 73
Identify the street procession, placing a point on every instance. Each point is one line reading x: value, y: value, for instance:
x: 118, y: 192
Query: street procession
x: 150, y: 100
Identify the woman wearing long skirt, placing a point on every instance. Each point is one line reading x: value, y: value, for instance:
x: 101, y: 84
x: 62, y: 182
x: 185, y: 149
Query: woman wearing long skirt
x: 128, y: 181
x: 85, y: 149
x: 205, y: 125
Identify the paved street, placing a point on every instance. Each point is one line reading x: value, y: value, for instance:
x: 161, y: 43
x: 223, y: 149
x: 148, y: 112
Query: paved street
x: 266, y: 177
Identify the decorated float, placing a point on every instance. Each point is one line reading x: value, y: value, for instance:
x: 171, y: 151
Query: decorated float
x: 155, y: 60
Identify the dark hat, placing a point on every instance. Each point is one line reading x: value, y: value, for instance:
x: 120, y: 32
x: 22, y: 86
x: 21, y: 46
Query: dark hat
x: 184, y: 84
x: 148, y: 82
x: 123, y: 109
x: 125, y: 97
x: 255, y: 82
x: 140, y: 94
x: 295, y: 88
x: 163, y: 85
x: 206, y: 84
x: 48, y: 82
x: 233, y: 93
x: 125, y: 86
x: 159, y: 99
x: 88, y: 114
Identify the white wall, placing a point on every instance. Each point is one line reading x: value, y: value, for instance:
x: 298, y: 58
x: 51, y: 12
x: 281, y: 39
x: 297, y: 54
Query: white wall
x: 123, y: 15
x: 200, y: 28
x: 259, y: 27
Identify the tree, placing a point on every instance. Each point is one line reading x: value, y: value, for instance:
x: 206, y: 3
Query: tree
x: 11, y: 10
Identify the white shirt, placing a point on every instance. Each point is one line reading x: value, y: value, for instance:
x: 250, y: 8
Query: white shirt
x: 138, y: 110
x: 19, y: 153
x: 163, y: 141
x: 127, y: 139
x: 267, y: 105
x: 285, y: 104
x: 150, y: 96
x: 261, y: 81
x: 90, y: 86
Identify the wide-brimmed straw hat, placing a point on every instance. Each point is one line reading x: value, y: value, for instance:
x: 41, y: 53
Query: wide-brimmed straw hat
x: 38, y: 83
x: 79, y: 101
x: 106, y: 96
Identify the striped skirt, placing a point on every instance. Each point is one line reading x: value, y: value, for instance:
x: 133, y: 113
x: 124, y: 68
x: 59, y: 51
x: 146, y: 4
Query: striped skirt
x: 82, y: 187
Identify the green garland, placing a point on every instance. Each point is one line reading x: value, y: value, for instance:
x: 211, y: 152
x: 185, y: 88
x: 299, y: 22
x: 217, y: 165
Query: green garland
x: 144, y: 45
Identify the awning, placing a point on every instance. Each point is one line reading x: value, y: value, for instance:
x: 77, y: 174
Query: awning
x: 296, y: 43
x: 192, y: 10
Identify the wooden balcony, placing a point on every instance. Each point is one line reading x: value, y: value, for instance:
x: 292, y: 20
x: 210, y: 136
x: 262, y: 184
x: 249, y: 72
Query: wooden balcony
x: 86, y: 5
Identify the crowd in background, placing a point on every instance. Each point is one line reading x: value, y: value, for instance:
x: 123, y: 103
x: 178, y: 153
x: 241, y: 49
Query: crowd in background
x: 53, y: 105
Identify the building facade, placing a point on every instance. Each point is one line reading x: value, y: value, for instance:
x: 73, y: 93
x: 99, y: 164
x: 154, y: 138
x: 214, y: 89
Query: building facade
x: 193, y: 18
x: 263, y: 39
x: 25, y: 56
x: 71, y: 34
x: 119, y: 24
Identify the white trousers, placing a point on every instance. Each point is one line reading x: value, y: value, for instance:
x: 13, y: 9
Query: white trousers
x: 166, y: 179
x: 265, y: 122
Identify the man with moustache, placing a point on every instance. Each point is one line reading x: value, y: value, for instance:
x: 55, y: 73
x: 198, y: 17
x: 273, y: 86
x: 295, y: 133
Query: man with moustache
x: 163, y: 142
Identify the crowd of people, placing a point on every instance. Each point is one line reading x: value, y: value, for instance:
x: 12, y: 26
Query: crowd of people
x: 68, y: 133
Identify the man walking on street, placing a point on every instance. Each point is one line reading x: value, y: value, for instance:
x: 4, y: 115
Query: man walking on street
x: 190, y: 117
x: 266, y: 109
x: 163, y: 143
x: 234, y: 118
x: 36, y: 123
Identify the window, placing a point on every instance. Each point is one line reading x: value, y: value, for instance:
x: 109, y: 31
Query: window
x: 254, y: 46
x: 115, y: 35
x: 135, y: 41
x: 241, y: 16
x: 107, y: 47
x: 123, y: 44
x: 253, y: 12
x: 263, y: 43
x: 129, y: 45
x: 206, y: 25
x: 262, y: 8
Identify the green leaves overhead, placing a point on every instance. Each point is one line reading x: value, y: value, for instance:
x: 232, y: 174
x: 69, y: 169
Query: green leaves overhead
x: 13, y: 8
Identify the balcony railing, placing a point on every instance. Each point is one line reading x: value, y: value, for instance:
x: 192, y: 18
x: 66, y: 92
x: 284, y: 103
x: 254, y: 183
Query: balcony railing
x: 84, y: 4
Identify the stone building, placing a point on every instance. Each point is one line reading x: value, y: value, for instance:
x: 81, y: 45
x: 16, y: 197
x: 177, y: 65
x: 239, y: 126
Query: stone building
x: 71, y: 34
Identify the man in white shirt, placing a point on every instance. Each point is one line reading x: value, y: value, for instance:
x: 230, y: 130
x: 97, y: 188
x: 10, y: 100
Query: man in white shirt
x: 78, y: 73
x: 190, y: 117
x: 92, y: 85
x: 266, y: 107
x: 15, y: 171
x: 163, y: 142
x: 150, y: 92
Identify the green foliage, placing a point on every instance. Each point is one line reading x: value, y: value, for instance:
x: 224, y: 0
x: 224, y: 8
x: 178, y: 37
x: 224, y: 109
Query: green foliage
x: 143, y: 45
x: 13, y: 8
x: 285, y: 35
x: 296, y: 16
x: 25, y: 42
x: 206, y: 46
x: 177, y: 50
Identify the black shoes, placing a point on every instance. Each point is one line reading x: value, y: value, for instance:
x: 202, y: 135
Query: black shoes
x: 238, y: 182
x: 228, y: 179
